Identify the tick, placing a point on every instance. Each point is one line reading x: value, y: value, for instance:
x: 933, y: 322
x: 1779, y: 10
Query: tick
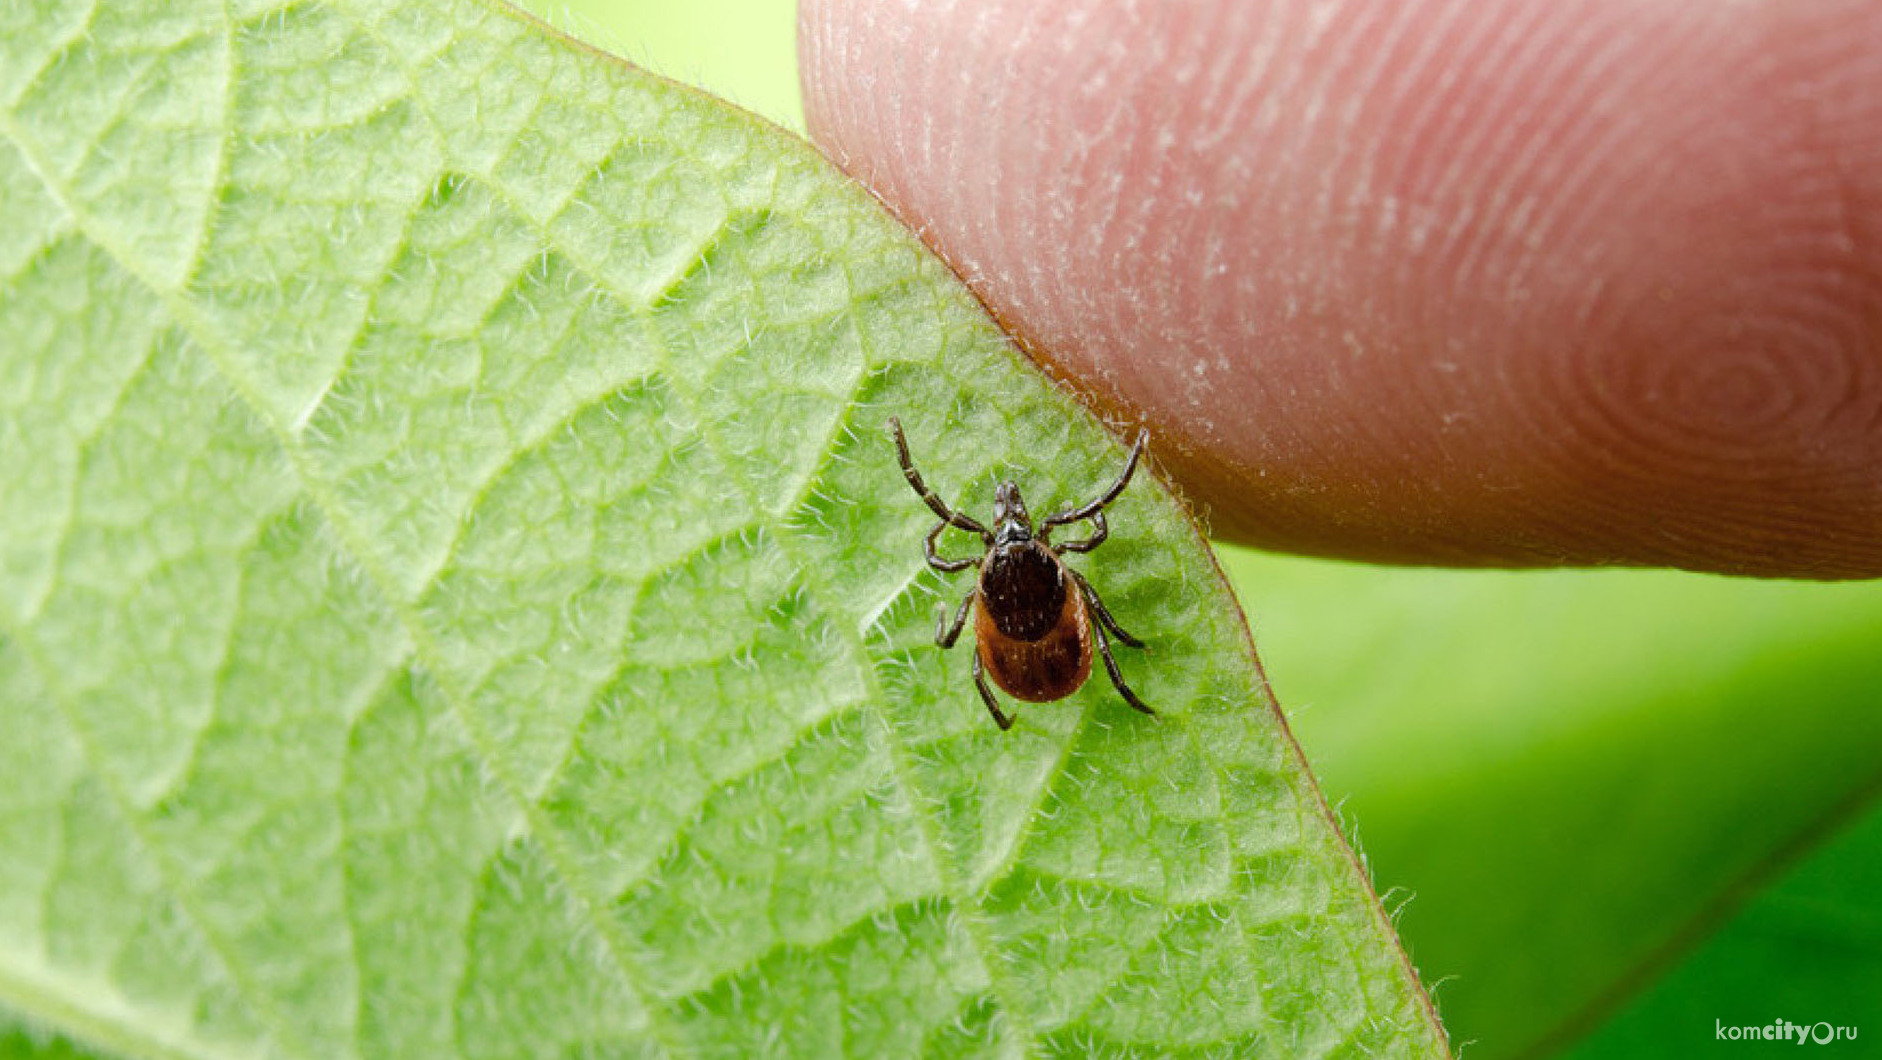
x: 1034, y: 628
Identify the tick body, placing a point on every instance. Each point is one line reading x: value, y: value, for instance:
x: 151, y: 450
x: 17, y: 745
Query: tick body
x: 1038, y: 621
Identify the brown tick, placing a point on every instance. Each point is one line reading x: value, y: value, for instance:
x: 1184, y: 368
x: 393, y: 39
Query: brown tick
x: 1034, y: 629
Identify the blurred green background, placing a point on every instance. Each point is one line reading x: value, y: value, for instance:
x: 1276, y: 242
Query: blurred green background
x: 1613, y: 810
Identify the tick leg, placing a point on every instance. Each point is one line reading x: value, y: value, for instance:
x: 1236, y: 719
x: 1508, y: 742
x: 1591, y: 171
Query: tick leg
x: 1117, y: 676
x: 935, y: 504
x: 1099, y: 531
x: 1104, y: 644
x: 937, y: 561
x: 1103, y: 612
x: 993, y: 705
x: 1072, y: 515
x: 944, y: 634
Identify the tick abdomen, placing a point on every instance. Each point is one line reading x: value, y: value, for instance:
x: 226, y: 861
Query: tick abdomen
x: 1031, y: 630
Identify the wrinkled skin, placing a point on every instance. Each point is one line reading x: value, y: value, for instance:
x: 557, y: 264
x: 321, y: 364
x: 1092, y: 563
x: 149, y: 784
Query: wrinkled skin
x: 1455, y: 281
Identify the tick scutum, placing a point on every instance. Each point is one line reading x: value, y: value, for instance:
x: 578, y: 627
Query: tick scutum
x: 1023, y: 589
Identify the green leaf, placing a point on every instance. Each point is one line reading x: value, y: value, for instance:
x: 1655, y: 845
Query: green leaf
x: 1807, y: 952
x: 1576, y: 775
x: 457, y: 597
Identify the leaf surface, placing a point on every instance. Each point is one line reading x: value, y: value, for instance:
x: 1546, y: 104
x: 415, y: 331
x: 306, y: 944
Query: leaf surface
x: 457, y: 598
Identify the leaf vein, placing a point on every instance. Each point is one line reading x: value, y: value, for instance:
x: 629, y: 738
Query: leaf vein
x: 209, y: 340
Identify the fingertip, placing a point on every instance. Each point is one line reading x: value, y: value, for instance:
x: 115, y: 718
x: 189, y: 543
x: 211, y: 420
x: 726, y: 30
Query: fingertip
x: 1445, y: 281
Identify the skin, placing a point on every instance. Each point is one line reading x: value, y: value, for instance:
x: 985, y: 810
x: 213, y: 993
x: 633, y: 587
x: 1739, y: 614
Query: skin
x: 1469, y: 282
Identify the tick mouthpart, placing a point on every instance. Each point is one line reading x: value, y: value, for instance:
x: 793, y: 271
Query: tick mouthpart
x: 1009, y: 510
